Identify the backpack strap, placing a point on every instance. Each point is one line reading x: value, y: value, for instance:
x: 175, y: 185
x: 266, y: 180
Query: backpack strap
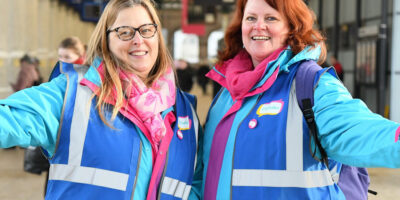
x: 350, y: 176
x: 305, y: 77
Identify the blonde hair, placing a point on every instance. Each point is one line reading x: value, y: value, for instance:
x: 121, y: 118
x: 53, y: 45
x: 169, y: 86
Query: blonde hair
x: 98, y: 47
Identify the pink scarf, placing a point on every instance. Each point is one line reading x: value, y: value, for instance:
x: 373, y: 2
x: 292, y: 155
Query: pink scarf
x: 150, y: 102
x: 241, y: 76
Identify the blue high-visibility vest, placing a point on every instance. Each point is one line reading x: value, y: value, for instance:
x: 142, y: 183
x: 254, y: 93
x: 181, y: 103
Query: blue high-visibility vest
x: 94, y: 161
x: 267, y: 155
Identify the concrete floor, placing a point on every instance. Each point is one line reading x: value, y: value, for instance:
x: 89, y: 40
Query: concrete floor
x: 15, y: 184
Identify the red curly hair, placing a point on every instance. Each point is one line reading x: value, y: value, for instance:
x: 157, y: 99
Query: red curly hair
x: 301, y: 32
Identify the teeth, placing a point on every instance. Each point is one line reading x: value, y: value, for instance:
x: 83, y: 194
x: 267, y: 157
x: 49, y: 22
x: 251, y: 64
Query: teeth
x: 260, y: 38
x: 139, y: 53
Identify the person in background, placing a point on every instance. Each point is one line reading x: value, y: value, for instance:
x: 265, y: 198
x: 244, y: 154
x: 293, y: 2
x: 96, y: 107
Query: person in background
x: 256, y: 141
x: 28, y: 75
x: 116, y: 127
x: 185, y: 74
x: 72, y: 50
x: 337, y: 65
x: 202, y: 80
x: 217, y: 87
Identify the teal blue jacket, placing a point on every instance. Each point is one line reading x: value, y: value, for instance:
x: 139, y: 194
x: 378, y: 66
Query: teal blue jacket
x: 31, y: 117
x: 349, y: 132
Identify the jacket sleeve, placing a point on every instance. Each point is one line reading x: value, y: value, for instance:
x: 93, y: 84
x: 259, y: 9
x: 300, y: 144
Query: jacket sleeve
x: 349, y: 132
x: 31, y: 116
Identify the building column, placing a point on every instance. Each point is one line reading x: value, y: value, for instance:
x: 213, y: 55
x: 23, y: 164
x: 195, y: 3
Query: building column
x: 395, y: 72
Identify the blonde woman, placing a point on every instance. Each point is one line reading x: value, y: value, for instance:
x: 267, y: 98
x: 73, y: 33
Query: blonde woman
x: 71, y: 50
x: 117, y: 127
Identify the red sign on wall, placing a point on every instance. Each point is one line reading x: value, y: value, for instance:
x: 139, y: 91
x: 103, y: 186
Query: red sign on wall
x: 197, y: 28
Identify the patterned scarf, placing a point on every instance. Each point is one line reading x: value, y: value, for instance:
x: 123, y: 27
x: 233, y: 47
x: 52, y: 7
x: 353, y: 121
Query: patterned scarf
x: 150, y: 102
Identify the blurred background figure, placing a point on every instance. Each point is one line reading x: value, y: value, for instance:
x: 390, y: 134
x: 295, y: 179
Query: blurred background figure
x: 216, y: 86
x: 185, y: 75
x: 28, y: 75
x: 202, y: 80
x: 72, y: 50
x: 337, y: 65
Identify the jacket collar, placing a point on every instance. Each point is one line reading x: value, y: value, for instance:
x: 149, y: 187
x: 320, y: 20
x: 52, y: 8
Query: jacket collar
x: 92, y: 75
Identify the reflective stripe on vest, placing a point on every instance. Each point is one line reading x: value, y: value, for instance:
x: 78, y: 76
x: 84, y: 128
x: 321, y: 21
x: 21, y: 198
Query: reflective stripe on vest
x: 73, y: 171
x: 196, y: 130
x: 281, y: 178
x: 293, y: 176
x: 80, y: 121
x: 175, y: 188
x: 294, y: 133
x: 89, y: 175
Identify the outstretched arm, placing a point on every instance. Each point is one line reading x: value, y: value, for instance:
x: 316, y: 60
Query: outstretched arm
x: 349, y: 132
x: 31, y: 117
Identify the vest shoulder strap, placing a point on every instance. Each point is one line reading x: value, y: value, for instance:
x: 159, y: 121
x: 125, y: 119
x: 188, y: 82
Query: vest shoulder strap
x: 62, y: 67
x: 192, y: 99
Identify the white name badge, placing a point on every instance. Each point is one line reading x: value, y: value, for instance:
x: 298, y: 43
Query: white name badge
x: 184, y: 123
x: 271, y: 108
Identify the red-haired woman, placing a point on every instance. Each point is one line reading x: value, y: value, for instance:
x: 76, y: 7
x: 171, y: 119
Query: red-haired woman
x: 256, y: 142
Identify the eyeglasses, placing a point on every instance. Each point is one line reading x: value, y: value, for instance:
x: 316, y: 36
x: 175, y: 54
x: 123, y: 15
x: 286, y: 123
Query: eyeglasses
x: 126, y: 33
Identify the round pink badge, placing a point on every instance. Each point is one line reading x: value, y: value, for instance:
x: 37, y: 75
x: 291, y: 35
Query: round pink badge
x: 253, y: 123
x: 179, y: 134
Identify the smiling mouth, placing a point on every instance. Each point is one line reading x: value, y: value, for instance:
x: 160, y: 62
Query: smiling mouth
x: 260, y: 38
x: 138, y: 53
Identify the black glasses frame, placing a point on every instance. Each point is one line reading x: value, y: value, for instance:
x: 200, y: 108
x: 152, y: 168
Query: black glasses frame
x: 134, y: 31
